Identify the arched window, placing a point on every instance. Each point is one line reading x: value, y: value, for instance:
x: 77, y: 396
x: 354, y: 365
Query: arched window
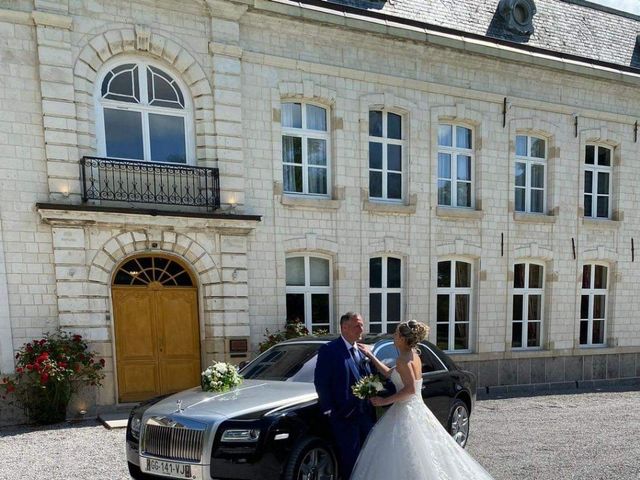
x: 528, y: 302
x: 385, y: 294
x: 143, y: 115
x: 455, y: 165
x: 386, y: 153
x: 305, y: 149
x: 593, y: 304
x: 597, y: 181
x: 453, y: 316
x: 309, y: 291
x: 530, y: 174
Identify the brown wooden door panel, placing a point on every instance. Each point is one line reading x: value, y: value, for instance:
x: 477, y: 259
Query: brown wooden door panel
x: 177, y: 315
x: 157, y: 340
x: 177, y: 318
x: 135, y: 326
x: 138, y: 381
x: 179, y: 375
x: 136, y: 339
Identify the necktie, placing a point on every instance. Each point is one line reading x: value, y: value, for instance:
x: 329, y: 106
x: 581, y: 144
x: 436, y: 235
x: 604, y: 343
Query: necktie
x: 358, y: 363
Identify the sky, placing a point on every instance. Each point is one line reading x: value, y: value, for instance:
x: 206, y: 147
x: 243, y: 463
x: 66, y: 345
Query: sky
x: 632, y: 6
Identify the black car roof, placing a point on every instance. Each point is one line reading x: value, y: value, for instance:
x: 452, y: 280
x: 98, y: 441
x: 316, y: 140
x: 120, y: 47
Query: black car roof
x: 370, y: 339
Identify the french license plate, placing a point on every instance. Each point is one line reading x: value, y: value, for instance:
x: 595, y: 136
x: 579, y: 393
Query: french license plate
x: 170, y: 469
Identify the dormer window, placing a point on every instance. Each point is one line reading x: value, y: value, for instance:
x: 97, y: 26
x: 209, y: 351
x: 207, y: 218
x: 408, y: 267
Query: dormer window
x: 518, y: 15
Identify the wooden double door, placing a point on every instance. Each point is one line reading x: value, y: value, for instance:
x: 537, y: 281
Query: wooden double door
x: 156, y: 333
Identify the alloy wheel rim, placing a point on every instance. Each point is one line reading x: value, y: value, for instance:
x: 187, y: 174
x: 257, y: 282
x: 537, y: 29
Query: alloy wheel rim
x: 460, y: 425
x: 317, y: 464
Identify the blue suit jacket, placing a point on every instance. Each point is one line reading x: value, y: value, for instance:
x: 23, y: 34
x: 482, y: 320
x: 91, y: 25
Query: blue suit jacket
x: 336, y: 372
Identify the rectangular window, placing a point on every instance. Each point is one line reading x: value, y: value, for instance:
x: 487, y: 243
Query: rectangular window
x: 308, y: 292
x: 386, y: 154
x: 528, y: 301
x: 530, y: 174
x: 305, y: 149
x: 593, y: 304
x: 385, y: 294
x: 597, y: 181
x: 455, y: 165
x: 453, y: 305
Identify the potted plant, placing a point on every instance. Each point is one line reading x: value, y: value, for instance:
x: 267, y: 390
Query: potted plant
x: 48, y: 372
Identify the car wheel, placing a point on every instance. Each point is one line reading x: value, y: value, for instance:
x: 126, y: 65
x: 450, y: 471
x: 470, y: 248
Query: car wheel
x: 311, y: 459
x: 459, y: 422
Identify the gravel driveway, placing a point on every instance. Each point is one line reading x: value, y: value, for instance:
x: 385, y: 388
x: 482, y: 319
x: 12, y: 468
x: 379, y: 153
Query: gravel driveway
x: 587, y: 436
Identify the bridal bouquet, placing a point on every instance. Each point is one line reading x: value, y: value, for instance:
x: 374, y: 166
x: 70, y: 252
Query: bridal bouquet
x: 367, y: 387
x: 220, y: 377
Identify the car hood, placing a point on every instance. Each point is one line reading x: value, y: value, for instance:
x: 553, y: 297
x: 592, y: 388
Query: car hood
x: 251, y: 396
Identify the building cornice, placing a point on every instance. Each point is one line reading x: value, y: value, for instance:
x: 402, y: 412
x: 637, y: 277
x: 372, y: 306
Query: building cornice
x: 83, y: 215
x: 437, y: 35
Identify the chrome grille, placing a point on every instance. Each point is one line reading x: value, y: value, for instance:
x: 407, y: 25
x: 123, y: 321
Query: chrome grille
x: 183, y: 444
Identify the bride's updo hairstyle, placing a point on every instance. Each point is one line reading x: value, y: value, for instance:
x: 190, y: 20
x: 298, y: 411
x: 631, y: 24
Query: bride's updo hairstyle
x: 413, y: 332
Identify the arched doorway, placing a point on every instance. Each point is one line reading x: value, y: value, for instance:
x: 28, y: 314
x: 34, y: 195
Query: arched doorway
x: 155, y: 305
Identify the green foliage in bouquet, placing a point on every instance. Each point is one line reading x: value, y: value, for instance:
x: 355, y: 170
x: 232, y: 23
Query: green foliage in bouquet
x: 367, y: 387
x: 48, y: 371
x: 220, y: 377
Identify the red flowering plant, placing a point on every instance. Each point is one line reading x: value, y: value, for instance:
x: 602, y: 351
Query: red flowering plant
x: 48, y: 372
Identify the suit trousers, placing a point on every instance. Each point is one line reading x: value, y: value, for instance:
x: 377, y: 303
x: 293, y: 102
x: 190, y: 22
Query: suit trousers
x: 350, y: 435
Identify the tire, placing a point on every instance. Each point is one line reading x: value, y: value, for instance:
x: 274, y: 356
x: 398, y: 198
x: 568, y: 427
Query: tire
x: 311, y: 459
x: 458, y: 424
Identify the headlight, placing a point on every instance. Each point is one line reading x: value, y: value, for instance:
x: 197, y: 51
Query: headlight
x: 136, y: 423
x: 241, y: 435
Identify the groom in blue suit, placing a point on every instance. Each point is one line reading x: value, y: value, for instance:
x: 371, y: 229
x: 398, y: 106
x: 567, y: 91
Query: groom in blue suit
x: 340, y: 365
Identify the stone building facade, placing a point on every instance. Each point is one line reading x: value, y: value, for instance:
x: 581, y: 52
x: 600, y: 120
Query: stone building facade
x: 371, y: 156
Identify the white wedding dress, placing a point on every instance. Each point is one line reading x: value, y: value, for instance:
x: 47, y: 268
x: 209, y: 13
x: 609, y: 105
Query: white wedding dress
x: 409, y: 443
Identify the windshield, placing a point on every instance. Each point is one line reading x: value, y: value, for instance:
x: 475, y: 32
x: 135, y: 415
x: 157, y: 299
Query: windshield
x: 294, y: 362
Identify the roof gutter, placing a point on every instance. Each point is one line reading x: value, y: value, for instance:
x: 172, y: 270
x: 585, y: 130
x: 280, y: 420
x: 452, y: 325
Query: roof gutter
x: 384, y: 24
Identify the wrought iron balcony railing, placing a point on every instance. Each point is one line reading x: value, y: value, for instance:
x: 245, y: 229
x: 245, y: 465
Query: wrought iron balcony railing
x: 108, y: 179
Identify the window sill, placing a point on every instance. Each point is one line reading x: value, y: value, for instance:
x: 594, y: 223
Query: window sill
x: 459, y: 213
x: 518, y: 350
x: 600, y: 222
x: 522, y: 217
x: 312, y: 202
x: 388, y: 208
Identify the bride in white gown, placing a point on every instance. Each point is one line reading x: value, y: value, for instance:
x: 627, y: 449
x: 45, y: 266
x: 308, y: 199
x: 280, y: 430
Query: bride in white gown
x: 408, y: 442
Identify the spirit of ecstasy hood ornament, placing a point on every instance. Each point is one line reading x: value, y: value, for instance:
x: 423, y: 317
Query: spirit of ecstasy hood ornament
x: 179, y: 408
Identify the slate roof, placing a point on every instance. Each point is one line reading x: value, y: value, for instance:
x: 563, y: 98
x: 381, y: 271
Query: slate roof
x: 565, y: 26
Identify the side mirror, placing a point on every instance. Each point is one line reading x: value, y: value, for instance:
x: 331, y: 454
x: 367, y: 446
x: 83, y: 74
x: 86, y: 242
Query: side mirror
x: 243, y: 364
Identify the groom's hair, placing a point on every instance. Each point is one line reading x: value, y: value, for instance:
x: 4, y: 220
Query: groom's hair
x: 347, y: 316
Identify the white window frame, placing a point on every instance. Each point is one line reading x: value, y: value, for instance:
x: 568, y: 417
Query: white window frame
x: 529, y: 161
x: 592, y: 292
x: 453, y: 291
x: 596, y: 171
x: 384, y: 290
x: 304, y: 133
x: 144, y: 108
x: 454, y: 151
x: 385, y: 140
x: 307, y: 289
x: 526, y: 291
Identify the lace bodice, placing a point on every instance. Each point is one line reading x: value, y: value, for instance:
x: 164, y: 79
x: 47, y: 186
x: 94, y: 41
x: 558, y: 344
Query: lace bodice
x: 399, y: 384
